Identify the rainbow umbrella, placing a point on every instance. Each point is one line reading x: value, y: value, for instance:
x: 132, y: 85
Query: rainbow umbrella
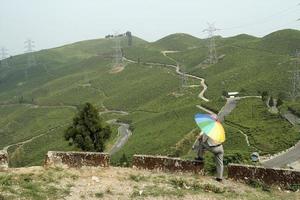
x: 211, y: 127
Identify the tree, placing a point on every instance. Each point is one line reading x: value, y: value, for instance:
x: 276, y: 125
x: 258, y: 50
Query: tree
x: 264, y: 95
x: 279, y: 102
x: 281, y: 95
x: 124, y: 161
x: 225, y: 93
x: 271, y: 102
x: 87, y: 130
x: 242, y: 90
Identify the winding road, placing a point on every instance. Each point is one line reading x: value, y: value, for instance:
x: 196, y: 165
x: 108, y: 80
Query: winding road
x: 282, y: 160
x: 289, y: 156
x: 124, y: 131
x: 177, y: 69
x: 123, y: 135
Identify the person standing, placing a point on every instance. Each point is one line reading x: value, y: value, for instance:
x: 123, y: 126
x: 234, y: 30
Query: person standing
x: 206, y: 143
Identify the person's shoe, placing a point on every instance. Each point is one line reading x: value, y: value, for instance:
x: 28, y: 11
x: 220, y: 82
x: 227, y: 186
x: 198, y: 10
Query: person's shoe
x: 218, y: 179
x: 199, y: 159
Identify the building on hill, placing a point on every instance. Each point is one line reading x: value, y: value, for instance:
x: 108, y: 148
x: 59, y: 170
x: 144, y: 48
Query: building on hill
x: 233, y: 94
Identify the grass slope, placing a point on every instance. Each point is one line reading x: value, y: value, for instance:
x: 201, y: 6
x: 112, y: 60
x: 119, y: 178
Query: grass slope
x: 160, y: 112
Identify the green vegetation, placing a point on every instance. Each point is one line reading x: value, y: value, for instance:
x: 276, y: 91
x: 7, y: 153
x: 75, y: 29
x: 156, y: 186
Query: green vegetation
x: 37, y: 186
x: 253, y: 64
x: 87, y: 131
x: 56, y: 183
x: 294, y: 107
x: 38, y: 108
x: 177, y: 42
x: 263, y: 128
x: 144, y: 55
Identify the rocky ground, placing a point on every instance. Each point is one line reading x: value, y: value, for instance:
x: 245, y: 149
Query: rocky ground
x: 125, y: 183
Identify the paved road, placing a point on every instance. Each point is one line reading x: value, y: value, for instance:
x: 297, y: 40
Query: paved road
x: 227, y: 108
x: 293, y: 119
x: 290, y: 156
x: 124, y: 133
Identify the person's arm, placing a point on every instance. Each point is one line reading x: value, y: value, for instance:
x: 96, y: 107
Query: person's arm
x: 200, y: 135
x: 196, y: 143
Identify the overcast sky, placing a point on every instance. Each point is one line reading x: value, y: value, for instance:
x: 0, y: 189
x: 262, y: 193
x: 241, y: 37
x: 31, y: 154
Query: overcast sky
x: 52, y: 23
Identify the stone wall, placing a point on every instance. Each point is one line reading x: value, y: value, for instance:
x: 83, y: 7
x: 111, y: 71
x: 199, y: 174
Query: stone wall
x: 163, y: 163
x: 3, y: 160
x: 76, y: 159
x: 270, y: 176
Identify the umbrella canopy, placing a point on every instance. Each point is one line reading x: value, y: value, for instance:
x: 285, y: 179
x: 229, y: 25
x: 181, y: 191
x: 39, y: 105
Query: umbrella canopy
x: 211, y: 127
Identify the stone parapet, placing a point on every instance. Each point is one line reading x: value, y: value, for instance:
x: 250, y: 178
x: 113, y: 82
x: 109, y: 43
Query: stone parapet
x: 76, y: 159
x: 269, y: 176
x: 3, y: 160
x: 164, y: 163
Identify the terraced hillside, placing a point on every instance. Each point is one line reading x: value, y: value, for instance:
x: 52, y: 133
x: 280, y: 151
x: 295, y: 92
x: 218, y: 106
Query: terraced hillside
x: 38, y: 102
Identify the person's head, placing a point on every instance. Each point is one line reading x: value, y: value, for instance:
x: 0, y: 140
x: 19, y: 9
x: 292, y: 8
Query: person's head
x: 214, y: 116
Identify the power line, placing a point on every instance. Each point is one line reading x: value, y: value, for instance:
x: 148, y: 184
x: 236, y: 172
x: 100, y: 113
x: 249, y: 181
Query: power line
x: 266, y: 19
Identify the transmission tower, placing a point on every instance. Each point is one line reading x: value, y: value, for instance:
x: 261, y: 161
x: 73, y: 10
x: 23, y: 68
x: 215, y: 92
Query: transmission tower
x: 29, y: 45
x: 213, y: 58
x: 184, y: 78
x: 4, y: 55
x: 118, y: 51
x: 295, y: 79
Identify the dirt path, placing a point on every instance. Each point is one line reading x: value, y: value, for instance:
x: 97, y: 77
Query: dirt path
x: 204, y: 86
x: 228, y: 108
x: 32, y: 105
x: 177, y: 69
x: 130, y: 183
x: 20, y: 144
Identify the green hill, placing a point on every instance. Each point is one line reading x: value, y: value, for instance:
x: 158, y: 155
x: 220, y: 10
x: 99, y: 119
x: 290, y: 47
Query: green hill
x: 177, y: 42
x: 38, y: 102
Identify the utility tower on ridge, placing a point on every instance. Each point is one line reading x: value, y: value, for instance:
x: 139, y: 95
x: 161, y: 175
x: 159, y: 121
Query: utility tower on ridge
x: 118, y: 51
x: 4, y: 54
x: 29, y: 45
x: 295, y: 79
x: 213, y: 58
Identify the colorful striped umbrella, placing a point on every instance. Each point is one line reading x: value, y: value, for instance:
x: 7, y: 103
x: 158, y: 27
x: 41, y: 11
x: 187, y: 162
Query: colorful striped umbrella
x: 211, y: 127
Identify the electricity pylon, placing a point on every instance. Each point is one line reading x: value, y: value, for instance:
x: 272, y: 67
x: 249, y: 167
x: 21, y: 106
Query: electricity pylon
x: 31, y: 62
x: 118, y: 51
x: 295, y: 79
x: 184, y: 78
x: 4, y: 55
x: 213, y: 58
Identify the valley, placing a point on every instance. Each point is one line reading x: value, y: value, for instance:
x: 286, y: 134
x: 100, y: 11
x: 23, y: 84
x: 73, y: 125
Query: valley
x: 148, y: 95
